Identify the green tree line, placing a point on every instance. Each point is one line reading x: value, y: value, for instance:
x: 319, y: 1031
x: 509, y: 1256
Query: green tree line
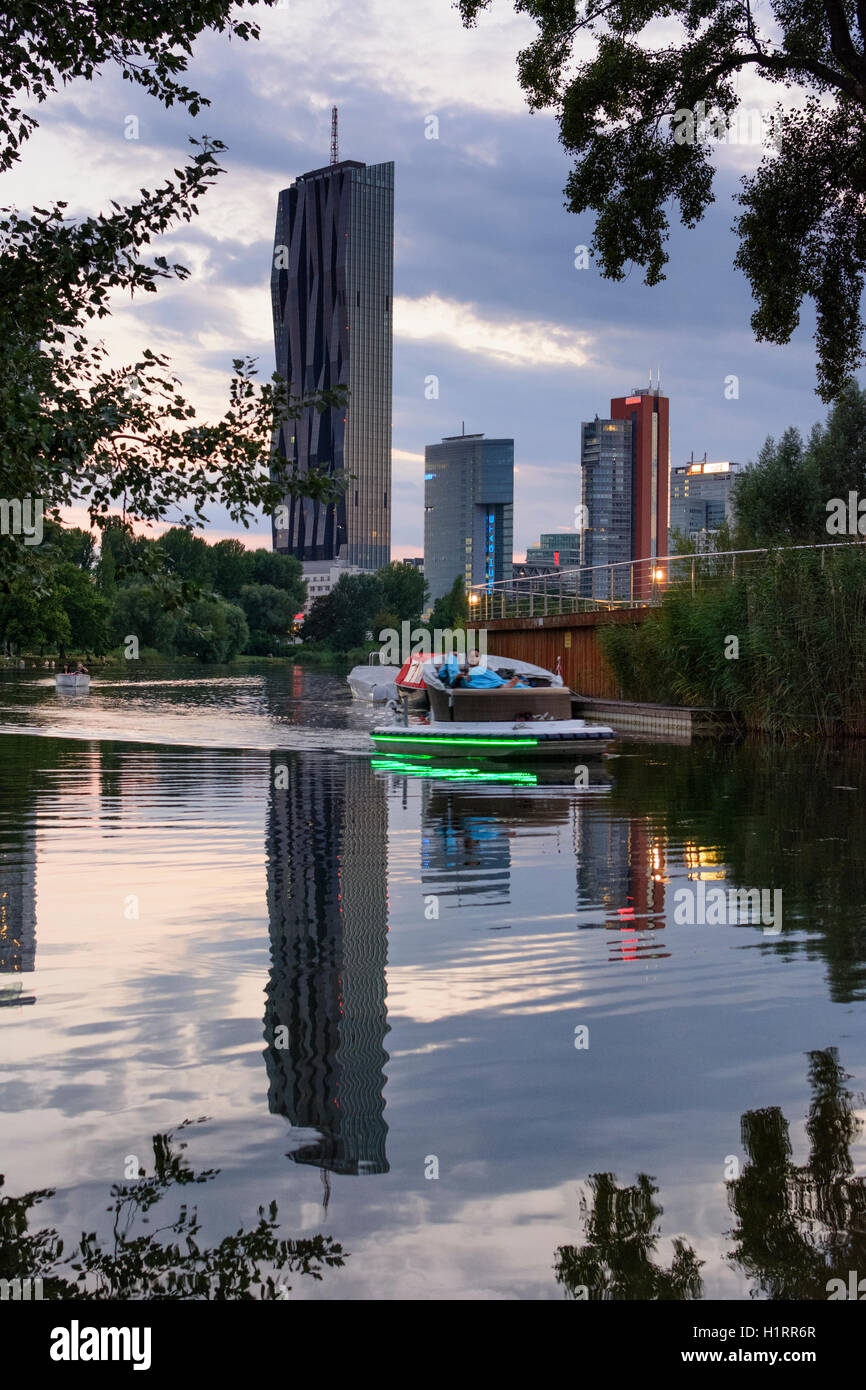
x: 778, y: 640
x: 177, y: 595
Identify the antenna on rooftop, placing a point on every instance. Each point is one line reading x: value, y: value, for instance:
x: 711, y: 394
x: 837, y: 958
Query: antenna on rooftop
x: 335, y: 145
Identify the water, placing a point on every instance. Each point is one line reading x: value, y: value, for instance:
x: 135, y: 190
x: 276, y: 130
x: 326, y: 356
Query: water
x: 450, y: 1026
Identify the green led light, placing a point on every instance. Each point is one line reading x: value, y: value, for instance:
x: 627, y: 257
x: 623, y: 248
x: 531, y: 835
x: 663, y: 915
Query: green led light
x: 459, y: 742
x: 451, y: 774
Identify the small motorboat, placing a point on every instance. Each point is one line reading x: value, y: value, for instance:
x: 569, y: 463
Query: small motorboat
x: 528, y: 721
x: 410, y: 678
x: 374, y: 681
x: 72, y: 680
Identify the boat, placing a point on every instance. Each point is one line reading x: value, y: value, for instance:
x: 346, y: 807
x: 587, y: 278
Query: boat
x: 375, y: 681
x: 72, y: 680
x: 533, y: 721
x: 410, y: 678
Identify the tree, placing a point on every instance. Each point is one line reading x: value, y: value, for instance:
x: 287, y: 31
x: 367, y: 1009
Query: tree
x: 86, y: 608
x: 135, y: 612
x: 33, y: 619
x: 270, y: 614
x: 404, y: 591
x: 640, y: 115
x: 283, y: 571
x: 342, y: 618
x: 71, y: 543
x: 212, y: 630
x: 778, y: 500
x: 189, y: 556
x: 232, y: 567
x: 73, y: 430
x: 451, y: 610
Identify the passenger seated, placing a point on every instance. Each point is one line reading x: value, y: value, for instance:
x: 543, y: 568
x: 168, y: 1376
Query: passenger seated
x: 475, y: 677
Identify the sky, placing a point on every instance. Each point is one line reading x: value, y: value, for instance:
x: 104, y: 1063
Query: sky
x: 487, y: 295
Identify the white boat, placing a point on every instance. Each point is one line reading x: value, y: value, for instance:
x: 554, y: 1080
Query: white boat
x: 529, y: 721
x: 374, y: 681
x: 72, y: 680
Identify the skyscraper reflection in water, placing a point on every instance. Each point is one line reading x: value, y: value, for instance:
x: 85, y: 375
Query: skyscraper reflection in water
x: 325, y: 1016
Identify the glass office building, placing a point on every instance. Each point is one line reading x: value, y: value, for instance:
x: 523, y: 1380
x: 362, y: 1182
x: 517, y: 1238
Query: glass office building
x: 625, y: 462
x: 701, y: 496
x: 468, y: 511
x: 332, y: 290
x: 606, y: 488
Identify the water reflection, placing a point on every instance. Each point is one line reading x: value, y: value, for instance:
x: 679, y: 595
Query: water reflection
x: 466, y: 836
x: 792, y: 818
x: 799, y: 1226
x: 325, y: 1017
x: 136, y: 1264
x: 622, y: 1232
x: 17, y: 878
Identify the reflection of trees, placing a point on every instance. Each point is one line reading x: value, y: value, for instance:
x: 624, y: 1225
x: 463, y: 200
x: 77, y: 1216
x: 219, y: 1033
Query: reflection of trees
x: 786, y: 817
x: 167, y: 1262
x: 621, y: 1236
x: 799, y: 1227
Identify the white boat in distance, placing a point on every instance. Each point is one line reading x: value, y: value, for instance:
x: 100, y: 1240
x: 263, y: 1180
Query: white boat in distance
x: 72, y: 680
x: 374, y: 681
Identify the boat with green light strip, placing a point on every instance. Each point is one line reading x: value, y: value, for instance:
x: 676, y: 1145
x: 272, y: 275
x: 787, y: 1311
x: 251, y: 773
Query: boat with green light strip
x: 506, y: 721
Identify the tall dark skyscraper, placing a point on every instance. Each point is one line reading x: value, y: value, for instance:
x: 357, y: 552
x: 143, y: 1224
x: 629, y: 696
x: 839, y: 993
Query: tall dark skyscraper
x: 332, y: 288
x: 468, y: 511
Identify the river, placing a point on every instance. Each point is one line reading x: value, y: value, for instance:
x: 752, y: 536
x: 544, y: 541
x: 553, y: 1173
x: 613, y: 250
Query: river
x: 483, y: 1034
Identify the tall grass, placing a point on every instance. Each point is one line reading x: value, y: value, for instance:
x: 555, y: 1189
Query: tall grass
x: 799, y: 624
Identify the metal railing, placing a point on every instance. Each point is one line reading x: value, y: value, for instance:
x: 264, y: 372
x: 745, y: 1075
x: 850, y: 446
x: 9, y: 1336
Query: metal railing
x: 627, y: 584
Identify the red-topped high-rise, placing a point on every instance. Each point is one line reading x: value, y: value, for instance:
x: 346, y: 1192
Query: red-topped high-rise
x: 647, y: 410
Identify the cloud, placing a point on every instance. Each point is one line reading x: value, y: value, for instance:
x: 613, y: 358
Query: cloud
x: 512, y: 342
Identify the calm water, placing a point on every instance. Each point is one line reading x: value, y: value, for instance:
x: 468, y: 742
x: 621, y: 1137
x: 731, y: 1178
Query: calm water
x: 452, y: 1026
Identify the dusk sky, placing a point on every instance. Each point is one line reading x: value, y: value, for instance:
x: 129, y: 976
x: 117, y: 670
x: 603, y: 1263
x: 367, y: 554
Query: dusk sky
x: 487, y: 297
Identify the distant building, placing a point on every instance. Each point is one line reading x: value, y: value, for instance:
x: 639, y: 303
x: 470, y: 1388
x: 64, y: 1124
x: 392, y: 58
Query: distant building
x: 701, y: 495
x: 468, y: 511
x: 555, y: 550
x: 332, y: 289
x: 625, y: 462
x: 416, y: 561
x: 322, y: 577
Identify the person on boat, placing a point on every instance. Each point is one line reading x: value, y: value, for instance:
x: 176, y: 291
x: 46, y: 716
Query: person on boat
x: 81, y: 670
x: 475, y: 677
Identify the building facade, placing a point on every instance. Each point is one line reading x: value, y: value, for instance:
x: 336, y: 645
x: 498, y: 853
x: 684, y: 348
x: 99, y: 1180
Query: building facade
x: 625, y: 463
x: 332, y: 291
x: 468, y: 511
x: 555, y: 550
x: 701, y: 496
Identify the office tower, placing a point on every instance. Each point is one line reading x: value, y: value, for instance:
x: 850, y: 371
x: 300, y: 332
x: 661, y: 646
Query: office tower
x: 625, y: 461
x: 701, y: 495
x: 468, y: 511
x: 332, y: 295
x: 325, y: 1015
x: 555, y: 550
